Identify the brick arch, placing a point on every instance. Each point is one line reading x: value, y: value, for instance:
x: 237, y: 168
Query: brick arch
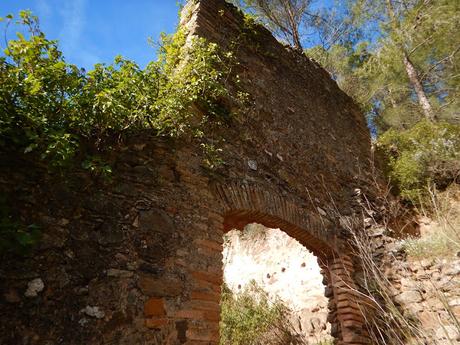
x: 242, y: 204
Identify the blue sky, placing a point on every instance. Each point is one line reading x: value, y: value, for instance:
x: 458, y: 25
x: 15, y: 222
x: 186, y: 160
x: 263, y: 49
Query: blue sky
x: 92, y: 31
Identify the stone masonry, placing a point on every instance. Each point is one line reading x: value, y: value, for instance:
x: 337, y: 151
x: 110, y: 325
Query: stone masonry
x: 426, y: 290
x: 138, y: 259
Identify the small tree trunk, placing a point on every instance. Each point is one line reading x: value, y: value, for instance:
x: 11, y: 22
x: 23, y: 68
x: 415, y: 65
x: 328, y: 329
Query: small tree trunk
x: 293, y: 26
x: 412, y: 71
x: 297, y: 44
x: 416, y: 83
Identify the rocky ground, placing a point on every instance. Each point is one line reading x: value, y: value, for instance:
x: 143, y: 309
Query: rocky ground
x: 424, y: 272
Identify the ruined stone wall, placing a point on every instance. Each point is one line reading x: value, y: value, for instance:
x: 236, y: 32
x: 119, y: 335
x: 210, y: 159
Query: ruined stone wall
x: 425, y: 290
x: 429, y: 291
x: 116, y: 258
x: 306, y: 136
x: 138, y: 259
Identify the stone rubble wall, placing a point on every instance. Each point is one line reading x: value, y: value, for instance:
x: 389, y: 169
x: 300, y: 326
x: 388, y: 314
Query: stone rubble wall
x: 126, y: 261
x: 137, y: 259
x: 427, y: 290
x: 298, y: 123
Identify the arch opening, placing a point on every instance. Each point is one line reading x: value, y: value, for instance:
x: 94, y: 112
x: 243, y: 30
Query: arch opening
x: 243, y: 204
x: 238, y: 220
x: 270, y: 274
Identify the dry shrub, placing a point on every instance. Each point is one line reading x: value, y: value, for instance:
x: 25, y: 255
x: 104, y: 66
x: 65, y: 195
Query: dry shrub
x: 252, y: 318
x: 388, y: 323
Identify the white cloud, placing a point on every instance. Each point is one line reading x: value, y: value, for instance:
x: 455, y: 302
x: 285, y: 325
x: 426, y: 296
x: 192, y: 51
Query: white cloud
x: 73, y: 18
x: 73, y: 21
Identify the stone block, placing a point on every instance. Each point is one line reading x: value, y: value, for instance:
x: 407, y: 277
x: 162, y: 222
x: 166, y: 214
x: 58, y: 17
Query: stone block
x: 155, y: 220
x: 203, y: 334
x: 408, y: 297
x: 210, y: 245
x: 165, y: 286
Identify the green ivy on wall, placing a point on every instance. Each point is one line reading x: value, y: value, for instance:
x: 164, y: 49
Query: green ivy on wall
x: 66, y: 116
x: 55, y: 109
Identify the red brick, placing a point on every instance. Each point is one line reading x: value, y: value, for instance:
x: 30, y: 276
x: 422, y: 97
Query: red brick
x: 201, y: 315
x: 155, y: 323
x: 203, y: 305
x: 208, y: 277
x: 205, y: 296
x: 190, y: 314
x: 154, y: 307
x: 352, y: 317
x: 204, y: 285
x: 347, y: 304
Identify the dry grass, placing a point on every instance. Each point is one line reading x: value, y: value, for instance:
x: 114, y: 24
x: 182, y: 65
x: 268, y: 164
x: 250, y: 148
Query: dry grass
x: 387, y: 322
x: 251, y: 317
x: 440, y: 236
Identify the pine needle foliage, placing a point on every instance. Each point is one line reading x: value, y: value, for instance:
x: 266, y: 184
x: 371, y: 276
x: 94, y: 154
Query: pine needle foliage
x: 426, y: 154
